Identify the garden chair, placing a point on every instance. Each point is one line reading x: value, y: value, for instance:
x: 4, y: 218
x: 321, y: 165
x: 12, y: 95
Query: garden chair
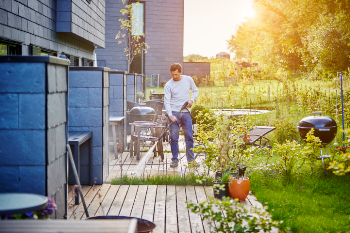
x: 256, y: 136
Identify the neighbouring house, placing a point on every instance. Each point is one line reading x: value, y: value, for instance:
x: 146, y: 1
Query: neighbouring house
x: 163, y: 24
x: 53, y: 27
x: 223, y: 54
x: 200, y: 71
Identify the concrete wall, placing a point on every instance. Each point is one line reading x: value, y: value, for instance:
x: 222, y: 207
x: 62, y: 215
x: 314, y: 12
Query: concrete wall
x: 164, y: 22
x: 117, y: 102
x: 33, y: 127
x: 89, y: 111
x: 33, y: 22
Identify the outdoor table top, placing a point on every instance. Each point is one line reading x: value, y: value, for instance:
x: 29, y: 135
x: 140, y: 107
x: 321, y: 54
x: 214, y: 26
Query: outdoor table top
x: 113, y: 118
x: 17, y: 203
x: 65, y: 226
x: 79, y: 137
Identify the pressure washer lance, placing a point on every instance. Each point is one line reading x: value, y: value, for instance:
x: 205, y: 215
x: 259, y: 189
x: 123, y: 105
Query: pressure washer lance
x: 184, y: 106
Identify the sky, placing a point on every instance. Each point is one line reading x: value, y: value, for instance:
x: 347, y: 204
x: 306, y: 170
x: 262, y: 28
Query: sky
x: 210, y: 23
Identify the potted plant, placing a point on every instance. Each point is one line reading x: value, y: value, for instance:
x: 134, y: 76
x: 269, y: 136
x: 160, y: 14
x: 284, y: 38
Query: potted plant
x: 239, y: 186
x: 140, y: 96
x: 224, y: 145
x: 220, y: 186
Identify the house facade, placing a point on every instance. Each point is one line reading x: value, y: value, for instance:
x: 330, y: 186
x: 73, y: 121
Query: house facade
x: 34, y: 90
x: 163, y: 25
x: 53, y: 27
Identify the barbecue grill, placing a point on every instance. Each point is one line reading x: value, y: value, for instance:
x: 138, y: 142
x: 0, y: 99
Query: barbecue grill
x: 142, y: 113
x: 325, y: 128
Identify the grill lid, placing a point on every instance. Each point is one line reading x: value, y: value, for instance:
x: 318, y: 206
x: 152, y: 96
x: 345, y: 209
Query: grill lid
x: 142, y: 113
x: 317, y: 122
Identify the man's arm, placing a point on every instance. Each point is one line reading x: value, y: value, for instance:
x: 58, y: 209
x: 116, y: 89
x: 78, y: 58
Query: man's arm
x: 167, y: 97
x: 194, y: 93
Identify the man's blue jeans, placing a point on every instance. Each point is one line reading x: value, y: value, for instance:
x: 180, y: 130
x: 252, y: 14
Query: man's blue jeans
x: 184, y: 119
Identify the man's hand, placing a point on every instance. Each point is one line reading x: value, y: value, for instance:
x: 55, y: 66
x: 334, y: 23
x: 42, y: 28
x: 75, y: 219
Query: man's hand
x: 172, y: 118
x: 190, y: 102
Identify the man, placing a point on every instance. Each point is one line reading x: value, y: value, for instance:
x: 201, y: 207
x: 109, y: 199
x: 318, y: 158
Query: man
x: 177, y: 92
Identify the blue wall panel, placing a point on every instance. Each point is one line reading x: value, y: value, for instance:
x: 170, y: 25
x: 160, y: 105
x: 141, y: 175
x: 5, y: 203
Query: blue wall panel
x: 8, y: 111
x: 22, y: 77
x: 32, y: 111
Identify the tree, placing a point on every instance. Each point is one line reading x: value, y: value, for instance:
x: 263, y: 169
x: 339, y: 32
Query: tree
x: 303, y: 35
x: 134, y: 40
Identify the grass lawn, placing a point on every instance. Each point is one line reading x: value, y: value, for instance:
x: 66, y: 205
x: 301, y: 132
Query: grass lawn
x: 306, y: 204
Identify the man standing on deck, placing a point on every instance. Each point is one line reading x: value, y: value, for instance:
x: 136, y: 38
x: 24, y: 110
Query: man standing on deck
x: 177, y: 92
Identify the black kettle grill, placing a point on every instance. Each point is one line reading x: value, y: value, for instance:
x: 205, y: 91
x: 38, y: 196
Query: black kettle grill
x: 142, y: 113
x: 325, y: 128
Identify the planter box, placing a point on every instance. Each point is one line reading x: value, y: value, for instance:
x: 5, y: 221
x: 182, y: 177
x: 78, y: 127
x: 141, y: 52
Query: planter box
x: 89, y: 111
x: 33, y: 126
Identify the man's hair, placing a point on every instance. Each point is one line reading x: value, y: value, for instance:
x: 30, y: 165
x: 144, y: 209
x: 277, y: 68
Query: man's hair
x: 175, y: 66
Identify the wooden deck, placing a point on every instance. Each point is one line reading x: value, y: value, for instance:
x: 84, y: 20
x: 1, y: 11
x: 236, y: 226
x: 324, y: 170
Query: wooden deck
x: 165, y: 205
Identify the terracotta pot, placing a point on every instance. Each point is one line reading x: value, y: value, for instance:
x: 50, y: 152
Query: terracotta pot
x: 239, y: 188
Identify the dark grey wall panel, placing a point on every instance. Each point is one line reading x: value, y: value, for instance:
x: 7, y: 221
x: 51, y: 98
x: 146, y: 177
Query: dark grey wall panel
x: 45, y: 24
x: 164, y: 22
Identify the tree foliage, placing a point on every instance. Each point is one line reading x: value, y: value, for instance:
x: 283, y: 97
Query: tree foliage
x: 290, y: 35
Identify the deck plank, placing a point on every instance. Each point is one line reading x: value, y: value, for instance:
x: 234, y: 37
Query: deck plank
x: 79, y: 212
x: 201, y: 197
x: 148, y: 209
x: 182, y: 211
x: 107, y: 201
x: 139, y: 201
x: 171, y: 216
x: 71, y: 207
x: 159, y: 212
x: 118, y: 200
x: 97, y: 201
x: 195, y: 219
x: 129, y: 201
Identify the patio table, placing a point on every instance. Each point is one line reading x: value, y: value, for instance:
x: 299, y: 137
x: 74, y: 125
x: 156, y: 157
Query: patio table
x: 76, y: 139
x: 156, y: 130
x: 20, y: 203
x: 69, y: 226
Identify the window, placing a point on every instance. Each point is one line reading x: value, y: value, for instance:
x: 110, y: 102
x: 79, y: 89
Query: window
x: 138, y: 18
x: 42, y: 52
x: 138, y: 29
x: 8, y: 48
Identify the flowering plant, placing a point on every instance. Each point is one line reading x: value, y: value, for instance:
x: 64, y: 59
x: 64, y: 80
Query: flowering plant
x: 41, y: 214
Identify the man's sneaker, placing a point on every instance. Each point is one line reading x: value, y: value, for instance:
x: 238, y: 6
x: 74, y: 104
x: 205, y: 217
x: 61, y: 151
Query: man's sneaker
x: 174, y: 163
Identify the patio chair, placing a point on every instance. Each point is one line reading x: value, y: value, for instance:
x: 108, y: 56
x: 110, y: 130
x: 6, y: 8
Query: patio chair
x: 130, y: 105
x: 256, y: 136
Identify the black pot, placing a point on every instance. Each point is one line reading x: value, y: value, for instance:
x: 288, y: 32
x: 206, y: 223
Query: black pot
x: 142, y: 224
x: 219, y: 193
x: 325, y: 128
x: 241, y: 171
x: 142, y: 113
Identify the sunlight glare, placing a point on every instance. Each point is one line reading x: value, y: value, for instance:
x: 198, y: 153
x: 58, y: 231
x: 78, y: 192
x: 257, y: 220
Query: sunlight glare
x: 250, y: 12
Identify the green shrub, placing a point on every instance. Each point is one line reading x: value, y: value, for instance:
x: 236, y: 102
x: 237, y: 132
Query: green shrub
x: 285, y: 130
x: 195, y: 110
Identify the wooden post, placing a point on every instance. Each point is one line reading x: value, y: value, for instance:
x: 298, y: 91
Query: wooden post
x: 268, y: 95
